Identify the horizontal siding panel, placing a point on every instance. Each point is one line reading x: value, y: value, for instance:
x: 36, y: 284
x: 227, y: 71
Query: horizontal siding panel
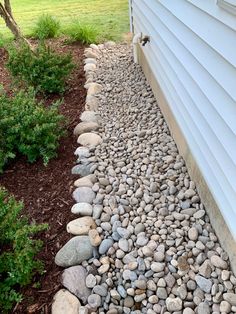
x: 205, y: 26
x: 210, y: 8
x: 215, y: 145
x: 207, y: 57
x: 204, y: 106
x: 225, y: 134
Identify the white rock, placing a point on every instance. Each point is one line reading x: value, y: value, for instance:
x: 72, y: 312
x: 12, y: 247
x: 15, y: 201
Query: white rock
x: 230, y: 297
x: 82, y: 152
x: 90, y: 67
x: 174, y: 304
x: 65, y: 302
x: 81, y: 226
x: 225, y: 307
x: 85, y: 181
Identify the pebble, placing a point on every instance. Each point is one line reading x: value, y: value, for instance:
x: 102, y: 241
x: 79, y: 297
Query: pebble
x: 91, y: 281
x: 100, y: 290
x: 193, y: 234
x: 225, y: 307
x: 230, y: 297
x: 94, y: 237
x: 94, y: 301
x: 105, y: 245
x: 174, y: 304
x: 203, y: 308
x: 203, y: 283
x: 218, y: 262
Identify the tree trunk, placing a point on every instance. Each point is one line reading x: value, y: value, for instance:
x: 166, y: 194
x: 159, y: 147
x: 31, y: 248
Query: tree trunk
x: 8, y: 7
x: 6, y: 14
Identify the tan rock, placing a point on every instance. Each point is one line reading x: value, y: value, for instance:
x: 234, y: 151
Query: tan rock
x: 89, y: 116
x: 94, y: 237
x: 89, y: 139
x: 89, y: 53
x: 84, y: 127
x: 85, y: 181
x: 103, y: 269
x: 89, y: 67
x: 94, y: 89
x: 65, y: 302
x: 92, y: 103
x: 81, y: 226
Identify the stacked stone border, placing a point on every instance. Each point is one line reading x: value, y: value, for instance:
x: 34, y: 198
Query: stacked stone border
x: 83, y: 246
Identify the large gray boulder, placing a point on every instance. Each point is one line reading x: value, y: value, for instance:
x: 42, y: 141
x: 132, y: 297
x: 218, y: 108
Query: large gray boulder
x: 74, y: 279
x: 74, y: 252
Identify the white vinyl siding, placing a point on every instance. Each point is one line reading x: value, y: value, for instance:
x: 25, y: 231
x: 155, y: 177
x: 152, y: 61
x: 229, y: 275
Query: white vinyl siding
x: 192, y: 52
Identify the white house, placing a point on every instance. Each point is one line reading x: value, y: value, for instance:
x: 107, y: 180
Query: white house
x: 190, y: 63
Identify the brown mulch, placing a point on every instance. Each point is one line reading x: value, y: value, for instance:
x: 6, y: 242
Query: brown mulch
x: 46, y: 191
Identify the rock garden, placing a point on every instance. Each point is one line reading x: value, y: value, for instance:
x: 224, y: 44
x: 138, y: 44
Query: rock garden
x: 98, y: 213
x: 141, y: 239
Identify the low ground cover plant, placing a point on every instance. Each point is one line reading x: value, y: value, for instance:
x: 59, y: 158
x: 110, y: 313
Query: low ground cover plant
x: 18, y: 249
x: 46, y: 27
x: 43, y: 68
x: 83, y: 33
x: 28, y: 127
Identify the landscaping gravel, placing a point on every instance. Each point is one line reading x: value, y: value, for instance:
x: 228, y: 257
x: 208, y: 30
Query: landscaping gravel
x: 158, y: 251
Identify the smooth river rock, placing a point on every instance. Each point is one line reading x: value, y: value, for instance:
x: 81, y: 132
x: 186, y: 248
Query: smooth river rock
x: 74, y: 279
x: 85, y: 181
x: 84, y: 195
x: 89, y: 116
x: 89, y: 139
x: 84, y: 127
x: 81, y: 226
x: 74, y: 252
x: 65, y: 302
x: 82, y: 209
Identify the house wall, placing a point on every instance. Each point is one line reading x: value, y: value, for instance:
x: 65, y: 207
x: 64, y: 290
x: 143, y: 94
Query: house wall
x: 191, y: 65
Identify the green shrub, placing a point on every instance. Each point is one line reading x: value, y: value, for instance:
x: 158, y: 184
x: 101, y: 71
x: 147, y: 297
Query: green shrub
x: 47, y: 26
x: 28, y: 127
x: 42, y: 69
x: 84, y: 33
x: 18, y: 249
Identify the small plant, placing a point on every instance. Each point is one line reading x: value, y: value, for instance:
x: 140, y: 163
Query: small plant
x: 18, y: 249
x: 42, y: 69
x: 47, y: 27
x: 84, y: 33
x: 28, y: 127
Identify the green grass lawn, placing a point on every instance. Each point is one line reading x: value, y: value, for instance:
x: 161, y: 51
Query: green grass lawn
x: 110, y: 17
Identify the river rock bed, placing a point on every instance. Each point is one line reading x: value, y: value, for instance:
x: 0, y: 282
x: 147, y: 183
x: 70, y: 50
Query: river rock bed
x: 143, y: 242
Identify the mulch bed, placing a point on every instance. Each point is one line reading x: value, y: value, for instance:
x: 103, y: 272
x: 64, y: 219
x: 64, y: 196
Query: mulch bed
x: 46, y: 191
